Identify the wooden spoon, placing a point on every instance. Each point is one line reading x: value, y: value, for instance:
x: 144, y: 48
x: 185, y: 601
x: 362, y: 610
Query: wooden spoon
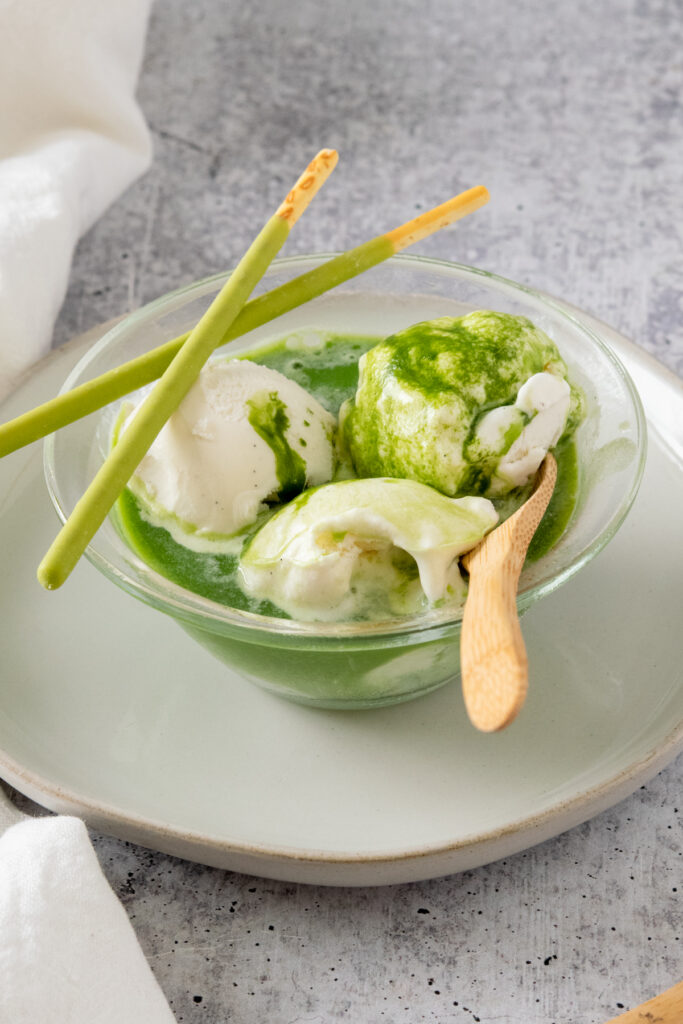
x: 666, y: 1008
x: 492, y: 654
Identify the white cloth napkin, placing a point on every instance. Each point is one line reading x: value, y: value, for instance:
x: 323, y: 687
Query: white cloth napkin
x: 72, y: 138
x: 68, y: 954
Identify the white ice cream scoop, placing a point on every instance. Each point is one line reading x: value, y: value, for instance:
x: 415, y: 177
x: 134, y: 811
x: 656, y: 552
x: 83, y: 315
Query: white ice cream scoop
x: 243, y: 435
x: 332, y: 553
x: 543, y: 401
x: 468, y: 405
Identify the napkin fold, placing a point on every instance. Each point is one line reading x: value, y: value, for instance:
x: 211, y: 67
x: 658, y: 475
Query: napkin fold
x: 68, y: 953
x: 72, y: 138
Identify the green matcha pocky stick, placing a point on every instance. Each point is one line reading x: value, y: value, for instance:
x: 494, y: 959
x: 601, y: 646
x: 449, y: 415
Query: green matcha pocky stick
x: 110, y: 386
x: 113, y: 475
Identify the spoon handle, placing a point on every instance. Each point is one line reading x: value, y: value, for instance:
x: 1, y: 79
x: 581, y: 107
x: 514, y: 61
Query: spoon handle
x: 666, y: 1008
x: 492, y: 653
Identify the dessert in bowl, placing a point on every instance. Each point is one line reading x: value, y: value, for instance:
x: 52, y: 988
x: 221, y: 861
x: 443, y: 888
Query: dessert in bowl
x: 298, y: 650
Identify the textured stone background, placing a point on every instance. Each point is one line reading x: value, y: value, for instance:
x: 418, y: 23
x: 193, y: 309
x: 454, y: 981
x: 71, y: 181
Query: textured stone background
x: 571, y: 114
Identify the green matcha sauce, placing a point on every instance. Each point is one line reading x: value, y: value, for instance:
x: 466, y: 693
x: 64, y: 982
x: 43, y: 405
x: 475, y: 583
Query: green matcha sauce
x: 328, y: 371
x: 268, y: 417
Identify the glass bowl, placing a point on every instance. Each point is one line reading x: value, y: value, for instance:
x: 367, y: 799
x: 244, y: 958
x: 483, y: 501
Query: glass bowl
x: 351, y: 665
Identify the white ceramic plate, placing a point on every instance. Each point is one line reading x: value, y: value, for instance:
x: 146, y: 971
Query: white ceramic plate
x: 109, y: 711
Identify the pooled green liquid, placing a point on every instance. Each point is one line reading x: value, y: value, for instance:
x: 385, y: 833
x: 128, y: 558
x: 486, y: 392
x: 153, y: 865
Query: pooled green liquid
x: 562, y: 502
x: 329, y: 372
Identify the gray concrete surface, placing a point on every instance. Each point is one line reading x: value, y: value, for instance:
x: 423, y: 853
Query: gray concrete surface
x: 571, y: 114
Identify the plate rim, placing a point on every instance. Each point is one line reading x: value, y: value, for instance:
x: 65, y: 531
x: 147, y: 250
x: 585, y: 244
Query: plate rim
x: 590, y: 799
x: 535, y: 827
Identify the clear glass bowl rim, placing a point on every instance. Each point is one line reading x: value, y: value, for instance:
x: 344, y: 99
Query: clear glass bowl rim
x: 211, y: 616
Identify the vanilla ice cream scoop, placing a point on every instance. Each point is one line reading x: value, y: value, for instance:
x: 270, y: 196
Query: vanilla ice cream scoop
x: 536, y: 420
x: 243, y: 435
x: 468, y: 405
x: 364, y: 548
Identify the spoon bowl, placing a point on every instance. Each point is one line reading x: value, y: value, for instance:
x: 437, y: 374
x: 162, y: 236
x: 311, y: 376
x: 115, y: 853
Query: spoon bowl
x: 493, y: 658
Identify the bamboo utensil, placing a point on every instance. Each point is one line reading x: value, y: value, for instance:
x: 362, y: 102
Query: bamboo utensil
x: 91, y: 510
x: 110, y: 386
x: 666, y: 1008
x: 493, y: 658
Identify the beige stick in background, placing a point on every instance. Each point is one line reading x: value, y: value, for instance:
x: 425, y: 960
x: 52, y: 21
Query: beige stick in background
x: 666, y: 1008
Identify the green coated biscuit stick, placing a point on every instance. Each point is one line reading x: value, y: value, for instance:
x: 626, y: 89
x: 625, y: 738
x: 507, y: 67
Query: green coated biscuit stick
x: 94, y: 506
x: 114, y: 384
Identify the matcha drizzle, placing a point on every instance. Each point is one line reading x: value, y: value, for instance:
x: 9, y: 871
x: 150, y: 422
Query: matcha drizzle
x: 268, y: 417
